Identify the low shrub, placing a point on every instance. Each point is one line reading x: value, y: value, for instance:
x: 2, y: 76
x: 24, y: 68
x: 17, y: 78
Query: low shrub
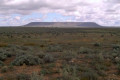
x: 44, y: 71
x: 54, y: 48
x: 102, y: 73
x: 90, y: 75
x: 65, y: 75
x: 96, y: 44
x: 85, y: 50
x: 68, y: 55
x: 10, y: 77
x: 69, y: 73
x: 40, y: 54
x: 99, y: 67
x: 1, y: 78
x: 4, y: 69
x: 2, y: 56
x: 8, y: 54
x: 116, y: 47
x: 21, y: 53
x: 102, y: 35
x: 52, y: 65
x: 1, y: 63
x: 99, y: 58
x: 35, y: 76
x: 48, y: 58
x: 26, y: 48
x: 28, y: 60
x: 11, y: 67
x: 117, y: 60
x: 118, y: 67
x: 22, y: 76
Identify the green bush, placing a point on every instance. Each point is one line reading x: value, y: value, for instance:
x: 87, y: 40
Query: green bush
x: 116, y: 47
x: 11, y: 67
x: 23, y: 76
x: 54, y: 48
x: 68, y: 55
x: 35, y: 76
x: 65, y: 75
x: 2, y: 56
x: 96, y: 44
x: 10, y: 77
x: 28, y: 60
x: 85, y: 50
x: 102, y: 73
x: 8, y: 54
x: 44, y: 71
x: 1, y: 63
x: 1, y: 78
x: 90, y: 75
x: 69, y: 73
x: 26, y: 48
x: 21, y: 53
x: 13, y: 47
x: 99, y: 58
x: 18, y: 50
x: 118, y: 67
x: 48, y: 58
x: 117, y: 60
x: 40, y: 54
x: 100, y: 67
x: 4, y: 69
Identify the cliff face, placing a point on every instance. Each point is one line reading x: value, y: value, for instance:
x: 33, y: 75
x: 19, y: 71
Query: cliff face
x: 62, y: 24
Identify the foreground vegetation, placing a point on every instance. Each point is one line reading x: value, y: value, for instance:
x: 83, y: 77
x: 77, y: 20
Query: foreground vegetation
x: 59, y: 54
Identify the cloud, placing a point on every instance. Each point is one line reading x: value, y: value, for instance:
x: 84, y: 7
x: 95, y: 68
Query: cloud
x: 105, y: 12
x: 113, y: 1
x: 17, y: 17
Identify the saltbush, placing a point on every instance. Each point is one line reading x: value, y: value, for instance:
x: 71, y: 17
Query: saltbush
x: 69, y: 73
x: 35, y: 76
x: 23, y: 76
x: 28, y: 60
x: 8, y: 54
x: 96, y: 44
x: 84, y: 50
x: 21, y: 53
x: 54, y: 48
x: 40, y: 54
x: 90, y: 75
x: 2, y: 56
x: 48, y: 58
x: 1, y: 63
x: 26, y: 48
x: 68, y: 55
x: 4, y: 69
x: 116, y: 47
x: 1, y: 78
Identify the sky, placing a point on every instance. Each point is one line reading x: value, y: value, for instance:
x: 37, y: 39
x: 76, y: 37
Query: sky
x: 21, y: 12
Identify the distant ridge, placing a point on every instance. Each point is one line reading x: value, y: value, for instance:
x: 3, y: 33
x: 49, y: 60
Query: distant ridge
x: 63, y: 24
